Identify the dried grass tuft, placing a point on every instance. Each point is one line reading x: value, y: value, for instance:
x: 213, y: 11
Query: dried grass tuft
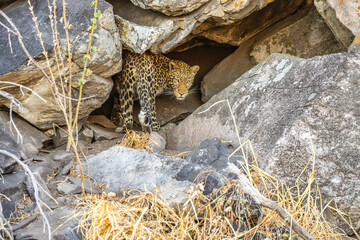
x: 137, y: 140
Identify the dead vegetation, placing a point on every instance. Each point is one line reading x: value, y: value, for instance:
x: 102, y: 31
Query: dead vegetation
x: 228, y: 213
x: 136, y: 140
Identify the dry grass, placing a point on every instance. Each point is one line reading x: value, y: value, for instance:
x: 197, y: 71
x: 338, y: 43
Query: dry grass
x: 226, y: 214
x: 137, y: 140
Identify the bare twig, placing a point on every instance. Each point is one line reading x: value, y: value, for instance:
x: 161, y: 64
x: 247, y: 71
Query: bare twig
x: 24, y: 87
x: 35, y: 184
x: 247, y: 188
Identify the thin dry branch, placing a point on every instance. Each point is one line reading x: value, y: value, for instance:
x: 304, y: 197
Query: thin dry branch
x: 35, y: 184
x: 247, y: 188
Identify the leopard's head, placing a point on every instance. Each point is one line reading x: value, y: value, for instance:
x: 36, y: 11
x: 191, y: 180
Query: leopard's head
x: 182, y: 77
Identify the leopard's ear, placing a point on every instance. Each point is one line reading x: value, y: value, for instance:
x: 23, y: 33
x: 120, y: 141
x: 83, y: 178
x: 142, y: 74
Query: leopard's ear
x: 172, y: 66
x: 195, y: 69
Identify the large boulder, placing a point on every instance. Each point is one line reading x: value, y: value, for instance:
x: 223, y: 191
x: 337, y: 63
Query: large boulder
x: 291, y: 108
x: 306, y: 36
x: 223, y: 21
x: 105, y: 62
x: 173, y: 176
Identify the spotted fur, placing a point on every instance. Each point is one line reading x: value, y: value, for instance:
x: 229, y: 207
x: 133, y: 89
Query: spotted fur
x: 144, y: 77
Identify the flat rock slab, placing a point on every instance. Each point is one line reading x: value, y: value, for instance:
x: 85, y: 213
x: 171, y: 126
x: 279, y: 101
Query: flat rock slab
x: 285, y: 107
x: 89, y: 187
x: 60, y: 219
x: 121, y: 168
x: 68, y: 188
x: 126, y: 168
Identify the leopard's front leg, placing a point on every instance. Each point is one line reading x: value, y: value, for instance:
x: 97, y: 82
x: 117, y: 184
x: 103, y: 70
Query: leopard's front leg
x: 155, y: 124
x: 145, y: 115
x: 126, y: 97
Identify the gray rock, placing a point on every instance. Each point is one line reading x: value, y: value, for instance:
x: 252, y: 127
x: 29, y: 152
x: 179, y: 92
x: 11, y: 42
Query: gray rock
x: 60, y: 138
x: 63, y: 155
x: 42, y: 195
x: 87, y: 135
x: 60, y: 219
x: 101, y: 133
x: 66, y: 169
x: 68, y: 188
x: 7, y: 143
x: 89, y: 187
x: 341, y: 32
x: 210, y: 157
x: 32, y: 138
x: 23, y: 223
x: 173, y: 176
x: 8, y: 208
x: 105, y: 62
x: 12, y: 183
x: 156, y: 142
x: 125, y: 168
x: 284, y: 105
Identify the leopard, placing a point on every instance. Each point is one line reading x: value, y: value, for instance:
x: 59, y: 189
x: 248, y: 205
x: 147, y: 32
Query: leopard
x: 145, y: 76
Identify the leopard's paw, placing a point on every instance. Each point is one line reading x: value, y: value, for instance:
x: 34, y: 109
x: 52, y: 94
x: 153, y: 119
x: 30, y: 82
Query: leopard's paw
x: 145, y: 118
x: 155, y: 126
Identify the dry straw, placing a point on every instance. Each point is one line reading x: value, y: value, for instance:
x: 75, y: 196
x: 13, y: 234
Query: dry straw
x: 136, y: 140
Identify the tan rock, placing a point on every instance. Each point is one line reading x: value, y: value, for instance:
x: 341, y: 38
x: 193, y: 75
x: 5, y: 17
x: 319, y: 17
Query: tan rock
x: 304, y: 35
x: 104, y: 62
x: 348, y: 13
x: 308, y: 37
x: 170, y: 7
x: 143, y: 30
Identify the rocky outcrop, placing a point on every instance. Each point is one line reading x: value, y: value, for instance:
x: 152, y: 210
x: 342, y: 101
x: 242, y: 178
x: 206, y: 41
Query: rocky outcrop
x: 308, y: 37
x: 221, y: 21
x: 105, y: 62
x: 62, y: 222
x: 304, y: 36
x: 291, y: 108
